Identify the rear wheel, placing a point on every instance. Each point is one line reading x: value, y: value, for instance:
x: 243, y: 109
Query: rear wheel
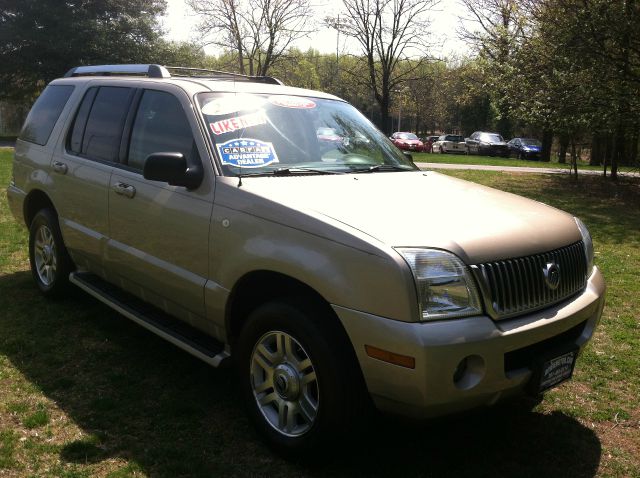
x: 298, y: 381
x: 50, y: 262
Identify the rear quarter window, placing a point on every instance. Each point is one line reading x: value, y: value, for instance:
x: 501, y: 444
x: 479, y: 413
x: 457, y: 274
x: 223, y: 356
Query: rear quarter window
x: 45, y: 113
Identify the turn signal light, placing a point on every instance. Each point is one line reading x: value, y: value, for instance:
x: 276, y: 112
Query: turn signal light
x: 390, y: 357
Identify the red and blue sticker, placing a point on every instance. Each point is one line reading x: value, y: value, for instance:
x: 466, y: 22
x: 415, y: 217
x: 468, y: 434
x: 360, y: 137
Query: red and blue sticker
x: 247, y: 153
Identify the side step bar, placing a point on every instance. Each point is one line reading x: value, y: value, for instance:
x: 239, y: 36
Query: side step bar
x: 182, y: 335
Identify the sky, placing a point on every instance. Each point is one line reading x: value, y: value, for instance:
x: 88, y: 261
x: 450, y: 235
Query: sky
x: 445, y: 20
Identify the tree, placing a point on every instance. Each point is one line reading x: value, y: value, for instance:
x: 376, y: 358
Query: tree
x: 41, y: 39
x: 495, y: 30
x: 578, y: 72
x: 388, y: 33
x: 259, y: 32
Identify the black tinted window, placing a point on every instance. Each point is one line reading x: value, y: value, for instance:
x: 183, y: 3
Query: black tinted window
x: 161, y: 126
x: 80, y: 121
x: 44, y: 114
x: 104, y: 126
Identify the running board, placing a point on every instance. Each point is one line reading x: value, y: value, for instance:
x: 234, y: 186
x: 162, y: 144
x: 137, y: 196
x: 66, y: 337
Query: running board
x: 180, y: 334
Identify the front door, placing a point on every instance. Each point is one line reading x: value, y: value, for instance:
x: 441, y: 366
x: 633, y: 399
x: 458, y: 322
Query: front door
x: 159, y: 234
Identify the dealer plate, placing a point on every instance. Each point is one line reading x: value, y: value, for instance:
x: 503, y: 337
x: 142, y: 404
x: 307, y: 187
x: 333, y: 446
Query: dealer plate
x: 557, y: 370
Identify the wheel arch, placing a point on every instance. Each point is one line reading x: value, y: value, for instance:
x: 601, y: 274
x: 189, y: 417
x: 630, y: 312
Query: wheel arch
x: 35, y: 201
x: 261, y: 286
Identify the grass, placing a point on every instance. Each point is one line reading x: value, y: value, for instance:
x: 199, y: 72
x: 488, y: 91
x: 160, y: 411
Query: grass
x: 87, y: 393
x: 493, y: 161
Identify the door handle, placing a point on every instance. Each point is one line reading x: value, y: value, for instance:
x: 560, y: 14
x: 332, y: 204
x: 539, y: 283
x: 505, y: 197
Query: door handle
x: 60, y: 167
x: 124, y: 190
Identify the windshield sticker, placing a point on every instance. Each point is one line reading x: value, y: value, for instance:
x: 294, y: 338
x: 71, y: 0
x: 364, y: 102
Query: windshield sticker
x: 296, y: 102
x: 239, y: 122
x: 232, y: 104
x: 247, y: 153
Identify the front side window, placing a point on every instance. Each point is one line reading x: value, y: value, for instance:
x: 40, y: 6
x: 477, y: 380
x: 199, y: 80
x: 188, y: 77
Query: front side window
x: 268, y: 132
x: 161, y: 126
x: 45, y: 113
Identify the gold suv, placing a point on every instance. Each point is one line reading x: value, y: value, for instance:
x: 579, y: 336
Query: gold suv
x: 214, y: 210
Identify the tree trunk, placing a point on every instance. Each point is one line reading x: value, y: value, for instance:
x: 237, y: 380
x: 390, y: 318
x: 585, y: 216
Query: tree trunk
x: 547, y: 139
x: 564, y: 144
x: 595, y: 158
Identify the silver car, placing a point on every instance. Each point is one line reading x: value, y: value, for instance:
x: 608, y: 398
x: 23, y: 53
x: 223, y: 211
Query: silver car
x: 203, y: 207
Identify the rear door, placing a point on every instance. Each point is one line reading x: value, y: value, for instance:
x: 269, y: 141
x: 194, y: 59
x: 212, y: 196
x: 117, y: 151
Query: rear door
x: 82, y: 166
x: 159, y: 234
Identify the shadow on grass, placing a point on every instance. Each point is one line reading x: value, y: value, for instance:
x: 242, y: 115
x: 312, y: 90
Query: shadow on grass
x: 144, y: 400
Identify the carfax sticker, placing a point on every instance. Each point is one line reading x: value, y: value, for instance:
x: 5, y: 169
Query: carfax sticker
x: 238, y: 122
x: 296, y: 102
x: 247, y: 153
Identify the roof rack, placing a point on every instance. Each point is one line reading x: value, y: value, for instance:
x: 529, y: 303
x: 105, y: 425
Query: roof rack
x: 158, y: 71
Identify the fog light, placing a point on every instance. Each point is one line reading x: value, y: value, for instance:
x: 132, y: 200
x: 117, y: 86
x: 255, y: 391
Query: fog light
x: 469, y: 372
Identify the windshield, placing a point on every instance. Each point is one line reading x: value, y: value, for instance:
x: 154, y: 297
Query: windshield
x: 454, y: 138
x: 491, y: 138
x: 261, y: 133
x: 531, y: 142
x: 406, y: 136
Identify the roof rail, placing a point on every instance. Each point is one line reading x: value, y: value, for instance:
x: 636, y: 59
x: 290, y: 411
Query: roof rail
x: 152, y: 71
x: 222, y: 75
x: 158, y: 71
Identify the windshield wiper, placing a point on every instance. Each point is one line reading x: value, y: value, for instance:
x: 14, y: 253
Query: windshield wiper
x: 286, y: 172
x: 382, y: 167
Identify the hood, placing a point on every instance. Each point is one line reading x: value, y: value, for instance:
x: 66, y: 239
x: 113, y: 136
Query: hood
x: 425, y: 209
x: 531, y: 148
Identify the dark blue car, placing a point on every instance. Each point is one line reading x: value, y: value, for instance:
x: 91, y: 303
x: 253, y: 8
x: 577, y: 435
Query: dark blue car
x: 525, y: 148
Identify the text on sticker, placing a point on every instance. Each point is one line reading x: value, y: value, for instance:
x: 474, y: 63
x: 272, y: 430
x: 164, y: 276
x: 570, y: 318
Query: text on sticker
x: 239, y: 122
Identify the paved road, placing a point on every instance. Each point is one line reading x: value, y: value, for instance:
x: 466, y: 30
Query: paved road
x: 517, y: 169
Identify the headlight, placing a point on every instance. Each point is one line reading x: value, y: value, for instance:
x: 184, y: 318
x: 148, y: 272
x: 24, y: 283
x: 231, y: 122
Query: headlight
x: 446, y: 289
x: 588, y: 244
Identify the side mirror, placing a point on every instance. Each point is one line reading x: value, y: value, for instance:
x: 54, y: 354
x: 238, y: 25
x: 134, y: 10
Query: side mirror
x: 172, y: 168
x: 408, y: 155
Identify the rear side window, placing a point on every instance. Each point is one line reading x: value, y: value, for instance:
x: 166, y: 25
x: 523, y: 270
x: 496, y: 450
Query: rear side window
x: 161, y: 126
x: 44, y: 114
x: 102, y: 133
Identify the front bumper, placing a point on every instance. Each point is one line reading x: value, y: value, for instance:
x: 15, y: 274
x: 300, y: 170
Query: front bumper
x: 497, y: 349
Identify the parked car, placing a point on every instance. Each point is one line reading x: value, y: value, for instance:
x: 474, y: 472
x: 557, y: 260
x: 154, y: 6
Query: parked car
x: 450, y: 143
x: 487, y: 144
x: 525, y: 148
x: 407, y: 141
x: 204, y: 210
x: 428, y: 141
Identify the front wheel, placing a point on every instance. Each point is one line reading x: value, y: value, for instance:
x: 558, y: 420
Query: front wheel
x: 50, y: 262
x: 297, y: 378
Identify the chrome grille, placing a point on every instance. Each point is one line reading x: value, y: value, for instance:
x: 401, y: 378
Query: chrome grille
x: 515, y: 286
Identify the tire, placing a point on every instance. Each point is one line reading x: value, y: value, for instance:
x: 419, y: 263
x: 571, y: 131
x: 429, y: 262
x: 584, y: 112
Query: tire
x: 48, y: 256
x: 291, y: 357
x: 442, y: 151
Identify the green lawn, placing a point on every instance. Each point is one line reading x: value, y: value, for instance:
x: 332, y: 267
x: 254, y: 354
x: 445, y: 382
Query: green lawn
x: 492, y: 161
x: 85, y: 393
